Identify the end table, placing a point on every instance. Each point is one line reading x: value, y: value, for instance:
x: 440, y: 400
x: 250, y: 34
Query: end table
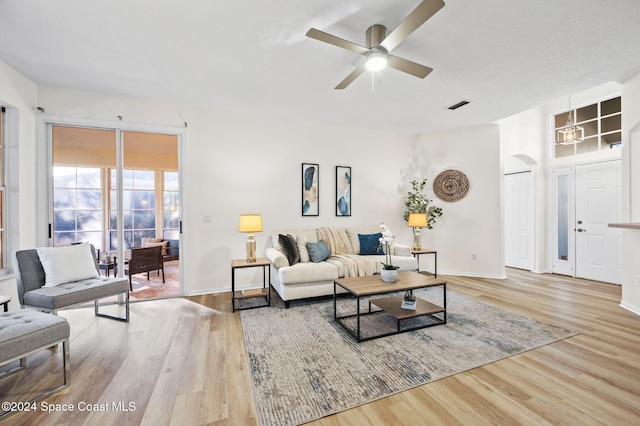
x: 246, y: 294
x: 417, y: 252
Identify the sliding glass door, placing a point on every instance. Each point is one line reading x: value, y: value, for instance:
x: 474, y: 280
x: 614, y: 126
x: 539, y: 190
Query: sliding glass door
x: 94, y: 170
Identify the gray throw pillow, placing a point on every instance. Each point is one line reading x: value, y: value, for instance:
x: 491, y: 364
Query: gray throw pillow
x: 318, y: 251
x: 289, y: 248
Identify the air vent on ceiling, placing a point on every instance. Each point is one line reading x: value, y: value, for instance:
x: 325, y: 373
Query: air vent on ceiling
x: 458, y: 105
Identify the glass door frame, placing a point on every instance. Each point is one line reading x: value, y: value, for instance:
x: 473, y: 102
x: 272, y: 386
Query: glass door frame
x: 44, y: 175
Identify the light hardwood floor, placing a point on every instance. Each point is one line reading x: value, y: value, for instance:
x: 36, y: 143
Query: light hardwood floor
x: 184, y: 363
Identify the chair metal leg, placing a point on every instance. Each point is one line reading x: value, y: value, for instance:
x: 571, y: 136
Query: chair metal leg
x: 66, y: 374
x: 115, y: 317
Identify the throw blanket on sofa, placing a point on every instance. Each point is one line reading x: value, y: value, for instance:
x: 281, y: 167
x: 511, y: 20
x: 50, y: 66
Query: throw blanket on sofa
x: 355, y: 265
x: 337, y: 240
x: 341, y: 252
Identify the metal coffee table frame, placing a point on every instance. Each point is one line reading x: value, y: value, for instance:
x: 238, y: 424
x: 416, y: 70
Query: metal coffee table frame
x: 391, y: 304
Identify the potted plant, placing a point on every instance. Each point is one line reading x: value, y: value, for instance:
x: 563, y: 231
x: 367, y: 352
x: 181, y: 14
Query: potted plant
x: 416, y: 201
x: 389, y: 272
x: 409, y: 300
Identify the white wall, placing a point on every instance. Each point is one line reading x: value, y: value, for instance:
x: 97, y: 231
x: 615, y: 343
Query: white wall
x: 474, y: 224
x: 237, y: 163
x: 20, y: 94
x: 522, y: 147
x: 631, y: 193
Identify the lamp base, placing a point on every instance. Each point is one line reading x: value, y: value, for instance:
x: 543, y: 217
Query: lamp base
x: 251, y: 248
x: 417, y: 241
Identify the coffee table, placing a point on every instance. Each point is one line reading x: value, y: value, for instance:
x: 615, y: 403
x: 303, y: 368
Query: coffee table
x: 372, y: 286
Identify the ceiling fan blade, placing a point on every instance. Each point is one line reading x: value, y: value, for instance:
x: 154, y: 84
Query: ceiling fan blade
x: 419, y: 16
x: 407, y: 66
x: 336, y: 41
x: 354, y: 74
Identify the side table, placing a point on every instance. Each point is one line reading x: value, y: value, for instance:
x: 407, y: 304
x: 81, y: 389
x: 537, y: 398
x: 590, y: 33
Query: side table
x: 108, y: 266
x: 4, y: 300
x: 258, y: 292
x: 417, y: 253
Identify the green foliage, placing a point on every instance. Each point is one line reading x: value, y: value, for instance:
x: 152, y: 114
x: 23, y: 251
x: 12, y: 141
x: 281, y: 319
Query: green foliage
x: 416, y: 201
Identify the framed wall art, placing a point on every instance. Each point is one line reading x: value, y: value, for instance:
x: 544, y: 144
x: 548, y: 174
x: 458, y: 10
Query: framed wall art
x: 343, y: 191
x: 310, y: 190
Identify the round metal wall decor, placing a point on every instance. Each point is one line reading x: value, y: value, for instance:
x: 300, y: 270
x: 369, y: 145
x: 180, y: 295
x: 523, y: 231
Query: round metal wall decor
x: 451, y: 185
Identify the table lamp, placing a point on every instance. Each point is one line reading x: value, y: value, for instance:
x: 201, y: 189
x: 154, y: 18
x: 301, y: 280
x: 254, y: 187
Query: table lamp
x: 417, y: 221
x: 250, y: 223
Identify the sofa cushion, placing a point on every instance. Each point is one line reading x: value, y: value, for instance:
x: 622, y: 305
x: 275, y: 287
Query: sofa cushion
x: 302, y: 241
x: 318, y: 251
x: 405, y: 263
x: 67, y: 264
x: 309, y: 272
x: 370, y: 243
x: 289, y: 248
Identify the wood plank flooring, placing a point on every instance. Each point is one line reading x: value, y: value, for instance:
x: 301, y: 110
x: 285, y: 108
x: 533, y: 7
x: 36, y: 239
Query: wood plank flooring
x: 184, y: 363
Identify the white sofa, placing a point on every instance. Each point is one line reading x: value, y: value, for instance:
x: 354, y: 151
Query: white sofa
x: 307, y: 279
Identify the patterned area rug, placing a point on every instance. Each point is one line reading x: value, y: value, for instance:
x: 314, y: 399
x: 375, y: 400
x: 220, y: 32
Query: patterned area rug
x: 305, y: 366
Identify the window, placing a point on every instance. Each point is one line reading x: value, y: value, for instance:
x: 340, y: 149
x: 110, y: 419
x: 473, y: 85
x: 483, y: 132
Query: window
x: 77, y: 205
x: 139, y: 207
x: 602, y: 124
x: 171, y: 210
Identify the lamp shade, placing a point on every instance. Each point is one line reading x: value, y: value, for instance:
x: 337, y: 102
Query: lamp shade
x: 417, y: 220
x: 250, y: 223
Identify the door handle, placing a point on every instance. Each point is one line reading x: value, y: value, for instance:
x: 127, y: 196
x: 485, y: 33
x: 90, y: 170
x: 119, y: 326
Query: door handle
x: 581, y: 230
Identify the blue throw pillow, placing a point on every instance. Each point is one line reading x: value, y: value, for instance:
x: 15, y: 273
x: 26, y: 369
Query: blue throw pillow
x: 318, y: 251
x: 370, y: 243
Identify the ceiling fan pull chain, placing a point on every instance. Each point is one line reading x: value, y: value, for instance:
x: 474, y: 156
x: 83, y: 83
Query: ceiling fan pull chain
x: 373, y: 83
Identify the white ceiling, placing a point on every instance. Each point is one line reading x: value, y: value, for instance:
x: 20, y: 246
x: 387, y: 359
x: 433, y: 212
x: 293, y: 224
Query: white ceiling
x: 505, y: 56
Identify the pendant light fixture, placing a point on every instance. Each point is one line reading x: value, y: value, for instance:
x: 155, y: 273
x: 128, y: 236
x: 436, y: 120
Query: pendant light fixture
x: 570, y: 133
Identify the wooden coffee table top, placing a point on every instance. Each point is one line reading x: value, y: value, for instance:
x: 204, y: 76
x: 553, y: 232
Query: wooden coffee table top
x: 367, y: 286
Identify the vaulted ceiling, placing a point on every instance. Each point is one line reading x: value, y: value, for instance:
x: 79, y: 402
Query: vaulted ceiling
x: 503, y: 56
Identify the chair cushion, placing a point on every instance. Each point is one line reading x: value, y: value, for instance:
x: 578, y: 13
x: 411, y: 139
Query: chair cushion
x: 155, y: 242
x: 68, y: 294
x: 67, y: 264
x: 24, y: 331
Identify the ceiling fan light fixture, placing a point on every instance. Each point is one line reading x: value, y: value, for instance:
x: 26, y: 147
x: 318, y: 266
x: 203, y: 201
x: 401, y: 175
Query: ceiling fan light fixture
x: 376, y: 60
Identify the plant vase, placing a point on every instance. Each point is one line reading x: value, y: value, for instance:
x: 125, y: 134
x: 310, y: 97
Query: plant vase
x: 409, y: 300
x: 389, y: 275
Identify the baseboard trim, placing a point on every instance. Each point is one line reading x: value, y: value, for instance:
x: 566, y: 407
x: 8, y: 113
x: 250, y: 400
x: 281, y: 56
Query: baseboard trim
x: 630, y: 308
x: 472, y: 275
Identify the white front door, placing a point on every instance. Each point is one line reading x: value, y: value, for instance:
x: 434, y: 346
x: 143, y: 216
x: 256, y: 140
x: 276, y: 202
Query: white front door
x: 518, y: 220
x: 598, y: 203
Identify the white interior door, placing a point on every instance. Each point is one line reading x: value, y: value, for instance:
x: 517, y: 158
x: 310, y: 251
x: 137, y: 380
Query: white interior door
x: 562, y: 219
x: 518, y: 220
x: 598, y: 203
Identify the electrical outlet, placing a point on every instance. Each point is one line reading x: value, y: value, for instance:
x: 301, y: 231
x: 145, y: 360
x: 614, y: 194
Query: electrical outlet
x: 474, y: 256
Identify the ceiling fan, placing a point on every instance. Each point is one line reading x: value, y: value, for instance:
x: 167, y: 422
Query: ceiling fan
x: 379, y: 44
